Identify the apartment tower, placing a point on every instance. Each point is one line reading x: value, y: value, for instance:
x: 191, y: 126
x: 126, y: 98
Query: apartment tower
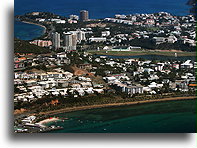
x: 84, y: 16
x: 70, y: 41
x: 56, y: 40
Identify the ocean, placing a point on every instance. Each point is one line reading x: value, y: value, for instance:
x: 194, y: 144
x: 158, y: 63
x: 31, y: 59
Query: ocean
x: 102, y: 8
x: 97, y: 9
x: 158, y: 117
x: 26, y: 31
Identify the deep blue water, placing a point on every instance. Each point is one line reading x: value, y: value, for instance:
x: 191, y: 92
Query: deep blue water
x: 96, y: 8
x: 26, y: 31
x: 102, y: 8
x: 160, y: 117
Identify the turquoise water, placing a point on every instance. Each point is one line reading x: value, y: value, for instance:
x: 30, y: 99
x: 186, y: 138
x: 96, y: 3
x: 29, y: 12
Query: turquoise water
x: 160, y: 117
x: 26, y: 31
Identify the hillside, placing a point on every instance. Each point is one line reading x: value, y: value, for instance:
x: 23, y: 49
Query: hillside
x: 21, y: 46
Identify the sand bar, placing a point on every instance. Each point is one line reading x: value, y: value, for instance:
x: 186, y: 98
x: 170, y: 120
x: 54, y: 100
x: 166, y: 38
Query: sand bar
x: 45, y: 121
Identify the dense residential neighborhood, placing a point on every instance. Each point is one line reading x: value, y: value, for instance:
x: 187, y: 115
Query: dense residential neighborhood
x: 163, y: 27
x: 130, y: 76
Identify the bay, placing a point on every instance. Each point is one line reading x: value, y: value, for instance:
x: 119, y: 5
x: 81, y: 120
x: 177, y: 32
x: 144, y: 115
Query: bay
x: 26, y: 31
x: 158, y: 117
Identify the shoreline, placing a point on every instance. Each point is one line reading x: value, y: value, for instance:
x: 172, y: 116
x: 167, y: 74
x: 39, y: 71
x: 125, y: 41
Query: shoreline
x: 26, y: 22
x: 81, y: 108
x: 35, y: 24
x: 45, y: 121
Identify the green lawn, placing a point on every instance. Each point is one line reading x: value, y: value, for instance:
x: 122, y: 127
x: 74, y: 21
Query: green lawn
x: 134, y: 53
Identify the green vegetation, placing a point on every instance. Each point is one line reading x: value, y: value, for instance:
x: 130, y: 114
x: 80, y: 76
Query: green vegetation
x: 176, y: 46
x: 25, y: 47
x: 141, y: 52
x: 44, y: 104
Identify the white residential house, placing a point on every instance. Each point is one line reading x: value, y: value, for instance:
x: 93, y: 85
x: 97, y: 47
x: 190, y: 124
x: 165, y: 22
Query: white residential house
x: 155, y: 85
x: 171, y: 39
x: 105, y: 33
x: 98, y: 90
x: 31, y: 82
x: 97, y: 39
x: 29, y: 119
x: 153, y: 77
x: 187, y: 64
x: 62, y: 91
x: 89, y: 90
x: 149, y: 70
x: 67, y: 75
x: 159, y: 40
x: 81, y: 92
x: 76, y: 86
x: 134, y: 89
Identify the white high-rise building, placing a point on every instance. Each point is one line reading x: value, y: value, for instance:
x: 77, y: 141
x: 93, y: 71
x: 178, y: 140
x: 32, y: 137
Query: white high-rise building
x: 70, y: 41
x: 56, y: 40
x: 80, y: 35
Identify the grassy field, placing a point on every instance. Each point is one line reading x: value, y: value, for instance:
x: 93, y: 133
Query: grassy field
x: 136, y: 53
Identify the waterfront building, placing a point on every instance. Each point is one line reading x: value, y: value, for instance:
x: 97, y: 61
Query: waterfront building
x: 56, y: 40
x: 70, y: 41
x: 84, y: 16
